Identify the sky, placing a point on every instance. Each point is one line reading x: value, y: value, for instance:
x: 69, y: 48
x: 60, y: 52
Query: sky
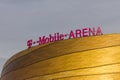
x: 21, y: 20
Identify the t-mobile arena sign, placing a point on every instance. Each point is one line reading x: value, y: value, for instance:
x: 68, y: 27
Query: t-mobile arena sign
x: 78, y: 33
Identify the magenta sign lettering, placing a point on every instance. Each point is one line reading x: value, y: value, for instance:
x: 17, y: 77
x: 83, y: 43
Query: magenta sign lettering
x: 78, y: 33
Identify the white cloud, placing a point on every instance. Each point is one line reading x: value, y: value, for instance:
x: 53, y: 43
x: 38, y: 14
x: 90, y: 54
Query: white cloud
x: 2, y: 62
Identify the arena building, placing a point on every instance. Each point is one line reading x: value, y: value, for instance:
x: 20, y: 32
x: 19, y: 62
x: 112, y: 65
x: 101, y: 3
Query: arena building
x: 87, y: 58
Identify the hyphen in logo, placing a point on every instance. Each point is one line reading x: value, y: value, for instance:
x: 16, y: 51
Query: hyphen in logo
x: 84, y: 32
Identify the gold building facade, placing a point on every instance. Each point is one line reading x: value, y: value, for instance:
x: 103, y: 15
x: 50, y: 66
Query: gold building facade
x: 88, y: 58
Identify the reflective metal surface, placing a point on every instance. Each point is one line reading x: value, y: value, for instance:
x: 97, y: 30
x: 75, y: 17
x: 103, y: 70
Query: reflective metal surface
x: 88, y: 58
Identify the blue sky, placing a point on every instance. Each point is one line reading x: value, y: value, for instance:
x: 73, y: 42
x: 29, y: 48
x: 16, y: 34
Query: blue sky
x: 21, y: 20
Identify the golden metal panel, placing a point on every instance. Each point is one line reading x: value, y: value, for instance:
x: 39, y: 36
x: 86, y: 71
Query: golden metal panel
x: 89, y: 58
